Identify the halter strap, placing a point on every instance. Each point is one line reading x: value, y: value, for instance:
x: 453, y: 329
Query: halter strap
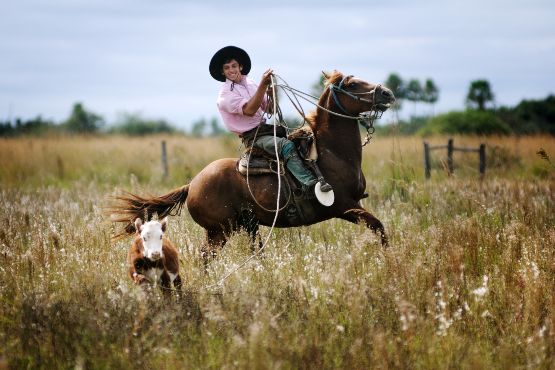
x: 334, y: 89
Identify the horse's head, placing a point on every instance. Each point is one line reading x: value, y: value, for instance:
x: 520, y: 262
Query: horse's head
x: 353, y: 96
x: 151, y: 234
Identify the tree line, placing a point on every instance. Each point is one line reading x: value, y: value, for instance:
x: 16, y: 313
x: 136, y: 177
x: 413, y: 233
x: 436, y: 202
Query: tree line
x: 83, y: 121
x: 480, y: 117
x: 412, y: 90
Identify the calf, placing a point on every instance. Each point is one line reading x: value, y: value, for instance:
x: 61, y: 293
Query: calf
x: 152, y: 257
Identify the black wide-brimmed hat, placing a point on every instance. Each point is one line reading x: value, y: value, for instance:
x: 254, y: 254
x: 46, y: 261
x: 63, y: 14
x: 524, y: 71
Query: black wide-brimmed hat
x: 229, y: 52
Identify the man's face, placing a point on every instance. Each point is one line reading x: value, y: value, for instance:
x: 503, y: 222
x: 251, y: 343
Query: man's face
x: 232, y: 70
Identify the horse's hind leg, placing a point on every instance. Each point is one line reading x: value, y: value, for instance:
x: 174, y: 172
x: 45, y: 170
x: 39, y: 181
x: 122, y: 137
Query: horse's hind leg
x: 256, y: 242
x: 358, y: 215
x: 215, y: 240
x: 249, y: 222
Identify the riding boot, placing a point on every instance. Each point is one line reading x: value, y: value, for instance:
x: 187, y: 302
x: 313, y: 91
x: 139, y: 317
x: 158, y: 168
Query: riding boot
x: 296, y: 167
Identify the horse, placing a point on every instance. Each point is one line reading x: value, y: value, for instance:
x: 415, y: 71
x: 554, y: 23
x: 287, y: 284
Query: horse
x: 220, y: 200
x: 152, y: 258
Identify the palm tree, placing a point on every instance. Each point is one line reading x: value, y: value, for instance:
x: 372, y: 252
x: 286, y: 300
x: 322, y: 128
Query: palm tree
x: 430, y: 94
x: 479, y: 94
x: 414, y: 92
x: 396, y: 84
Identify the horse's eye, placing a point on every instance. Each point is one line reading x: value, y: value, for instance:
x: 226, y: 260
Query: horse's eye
x: 352, y: 84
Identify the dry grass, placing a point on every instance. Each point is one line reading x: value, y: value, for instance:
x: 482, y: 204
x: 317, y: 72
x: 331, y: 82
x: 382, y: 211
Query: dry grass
x: 467, y: 283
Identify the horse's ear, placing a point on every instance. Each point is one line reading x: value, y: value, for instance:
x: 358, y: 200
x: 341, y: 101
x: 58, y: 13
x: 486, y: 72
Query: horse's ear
x: 138, y: 225
x: 164, y: 224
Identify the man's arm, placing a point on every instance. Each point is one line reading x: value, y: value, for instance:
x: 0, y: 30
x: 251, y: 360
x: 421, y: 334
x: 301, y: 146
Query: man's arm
x: 254, y: 103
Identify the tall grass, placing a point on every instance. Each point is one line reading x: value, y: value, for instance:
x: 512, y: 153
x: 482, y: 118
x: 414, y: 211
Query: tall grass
x: 468, y: 280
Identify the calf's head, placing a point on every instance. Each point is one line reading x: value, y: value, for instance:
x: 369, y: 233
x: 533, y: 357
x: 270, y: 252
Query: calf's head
x: 151, y: 234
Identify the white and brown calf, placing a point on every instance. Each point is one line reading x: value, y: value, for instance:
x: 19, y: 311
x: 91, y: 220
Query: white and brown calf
x: 153, y: 258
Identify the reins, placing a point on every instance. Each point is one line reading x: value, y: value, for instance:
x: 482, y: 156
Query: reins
x: 365, y: 119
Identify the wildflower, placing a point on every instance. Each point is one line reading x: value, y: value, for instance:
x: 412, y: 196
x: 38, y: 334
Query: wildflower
x: 483, y: 290
x: 535, y: 269
x: 406, y: 319
x: 485, y: 314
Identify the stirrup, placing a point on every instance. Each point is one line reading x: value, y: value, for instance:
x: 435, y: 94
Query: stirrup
x: 325, y: 198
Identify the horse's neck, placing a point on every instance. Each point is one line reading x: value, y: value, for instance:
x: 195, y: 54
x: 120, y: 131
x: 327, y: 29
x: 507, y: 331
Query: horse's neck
x: 339, y: 137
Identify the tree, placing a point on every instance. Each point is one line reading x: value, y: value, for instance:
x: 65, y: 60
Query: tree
x: 199, y: 127
x: 396, y: 84
x: 468, y: 122
x: 414, y: 92
x: 530, y: 116
x: 217, y: 130
x: 82, y: 121
x: 135, y: 124
x: 430, y: 94
x: 479, y: 94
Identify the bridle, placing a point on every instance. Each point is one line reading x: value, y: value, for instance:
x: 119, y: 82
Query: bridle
x: 339, y: 88
x: 335, y: 89
x: 366, y: 119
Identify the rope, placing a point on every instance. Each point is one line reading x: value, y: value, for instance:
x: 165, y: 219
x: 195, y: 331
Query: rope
x: 296, y: 104
x: 304, y: 95
x: 369, y: 118
x: 278, y: 209
x: 224, y: 278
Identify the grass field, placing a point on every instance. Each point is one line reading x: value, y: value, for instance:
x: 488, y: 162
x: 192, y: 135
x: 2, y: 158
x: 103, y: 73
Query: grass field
x: 468, y: 281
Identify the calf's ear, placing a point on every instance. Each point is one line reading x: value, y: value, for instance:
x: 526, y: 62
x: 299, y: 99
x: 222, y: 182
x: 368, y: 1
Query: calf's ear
x: 138, y: 225
x: 164, y: 224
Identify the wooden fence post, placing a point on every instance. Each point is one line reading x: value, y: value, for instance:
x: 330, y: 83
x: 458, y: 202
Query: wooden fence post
x: 164, y: 159
x: 427, y: 165
x: 450, y: 149
x: 482, y: 160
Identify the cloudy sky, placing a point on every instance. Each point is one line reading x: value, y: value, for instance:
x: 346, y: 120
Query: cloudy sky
x: 151, y: 57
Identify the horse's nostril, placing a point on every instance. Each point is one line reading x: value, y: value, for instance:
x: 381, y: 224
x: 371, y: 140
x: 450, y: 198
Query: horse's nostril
x: 387, y: 93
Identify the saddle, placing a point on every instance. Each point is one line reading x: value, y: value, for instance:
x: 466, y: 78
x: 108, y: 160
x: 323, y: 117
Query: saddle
x: 255, y: 161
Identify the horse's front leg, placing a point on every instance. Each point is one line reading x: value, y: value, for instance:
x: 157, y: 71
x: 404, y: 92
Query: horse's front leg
x: 358, y: 215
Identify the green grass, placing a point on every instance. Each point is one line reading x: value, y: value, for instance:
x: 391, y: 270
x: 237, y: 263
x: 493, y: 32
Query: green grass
x: 326, y: 296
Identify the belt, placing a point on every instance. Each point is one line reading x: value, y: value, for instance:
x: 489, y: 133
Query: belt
x: 252, y: 131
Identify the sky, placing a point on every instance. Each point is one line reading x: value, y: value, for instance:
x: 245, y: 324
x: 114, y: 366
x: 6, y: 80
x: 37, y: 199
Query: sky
x: 150, y: 57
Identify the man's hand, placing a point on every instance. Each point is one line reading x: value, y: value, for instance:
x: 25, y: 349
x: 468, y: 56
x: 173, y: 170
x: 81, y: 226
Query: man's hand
x: 255, y: 102
x: 267, y: 77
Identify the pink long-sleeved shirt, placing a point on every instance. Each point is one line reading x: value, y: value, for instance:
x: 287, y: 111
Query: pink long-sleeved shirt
x: 231, y: 102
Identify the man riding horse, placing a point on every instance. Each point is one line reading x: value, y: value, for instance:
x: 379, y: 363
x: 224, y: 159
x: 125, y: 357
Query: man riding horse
x: 242, y: 104
x: 221, y: 200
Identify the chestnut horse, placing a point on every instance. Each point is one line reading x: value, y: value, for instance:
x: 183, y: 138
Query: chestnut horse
x: 219, y: 200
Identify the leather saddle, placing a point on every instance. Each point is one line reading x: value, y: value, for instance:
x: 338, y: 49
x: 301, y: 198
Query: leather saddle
x: 256, y: 161
x: 300, y: 205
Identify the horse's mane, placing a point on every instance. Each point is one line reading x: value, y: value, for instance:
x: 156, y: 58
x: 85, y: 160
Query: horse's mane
x: 331, y: 78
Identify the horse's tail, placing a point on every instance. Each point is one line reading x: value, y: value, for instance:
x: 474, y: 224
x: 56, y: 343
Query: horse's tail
x: 130, y: 206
